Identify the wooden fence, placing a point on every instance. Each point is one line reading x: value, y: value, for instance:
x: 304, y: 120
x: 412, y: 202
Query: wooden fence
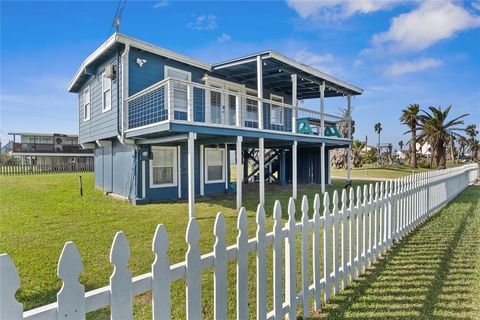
x: 45, y: 168
x: 362, y: 227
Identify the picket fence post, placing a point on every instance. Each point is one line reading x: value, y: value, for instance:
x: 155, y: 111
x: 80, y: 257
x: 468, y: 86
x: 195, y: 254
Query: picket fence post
x: 316, y: 251
x: 326, y: 245
x: 71, y: 297
x: 344, y: 213
x: 161, y: 275
x: 261, y: 264
x: 10, y: 308
x: 277, y: 262
x: 121, y: 279
x: 193, y: 272
x: 242, y: 265
x: 291, y: 262
x: 305, y: 260
x: 220, y: 269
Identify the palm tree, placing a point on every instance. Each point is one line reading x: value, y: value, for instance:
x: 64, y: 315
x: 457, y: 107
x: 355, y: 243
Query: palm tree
x: 436, y: 129
x: 378, y: 129
x: 410, y: 118
x: 471, y: 131
x: 474, y: 146
x: 462, y: 143
x: 400, y: 144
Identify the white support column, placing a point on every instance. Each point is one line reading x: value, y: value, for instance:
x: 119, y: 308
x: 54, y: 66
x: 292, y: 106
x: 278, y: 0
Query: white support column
x: 179, y: 171
x: 191, y: 174
x: 329, y: 166
x: 261, y: 171
x: 322, y: 167
x: 322, y: 109
x: 238, y: 111
x: 294, y: 103
x: 225, y: 166
x: 349, y: 153
x: 239, y: 171
x: 260, y: 91
x: 202, y: 170
x: 294, y: 169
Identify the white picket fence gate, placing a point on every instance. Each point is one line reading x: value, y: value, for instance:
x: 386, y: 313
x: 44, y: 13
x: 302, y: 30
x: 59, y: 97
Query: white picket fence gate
x: 362, y: 228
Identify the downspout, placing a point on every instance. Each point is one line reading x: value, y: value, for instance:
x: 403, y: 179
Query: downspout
x: 121, y: 130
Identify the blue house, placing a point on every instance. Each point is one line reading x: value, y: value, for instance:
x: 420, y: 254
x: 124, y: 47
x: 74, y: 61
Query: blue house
x: 165, y: 126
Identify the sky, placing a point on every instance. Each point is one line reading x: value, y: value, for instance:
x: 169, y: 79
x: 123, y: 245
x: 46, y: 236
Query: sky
x: 399, y: 52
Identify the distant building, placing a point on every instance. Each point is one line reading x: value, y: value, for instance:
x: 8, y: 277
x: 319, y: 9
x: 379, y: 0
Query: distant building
x: 52, y: 149
x: 402, y: 154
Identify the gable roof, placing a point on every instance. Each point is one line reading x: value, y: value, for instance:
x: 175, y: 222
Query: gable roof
x: 309, y: 77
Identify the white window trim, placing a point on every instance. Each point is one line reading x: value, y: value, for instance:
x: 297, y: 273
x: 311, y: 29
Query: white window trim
x: 89, y: 103
x: 206, y: 150
x: 105, y: 109
x: 274, y: 96
x: 175, y: 168
x: 167, y: 68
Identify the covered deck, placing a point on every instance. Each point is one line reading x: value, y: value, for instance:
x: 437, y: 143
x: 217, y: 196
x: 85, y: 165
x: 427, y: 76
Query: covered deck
x: 233, y: 107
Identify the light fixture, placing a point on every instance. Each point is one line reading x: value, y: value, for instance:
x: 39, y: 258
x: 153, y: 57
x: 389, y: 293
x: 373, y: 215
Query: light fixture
x: 141, y: 62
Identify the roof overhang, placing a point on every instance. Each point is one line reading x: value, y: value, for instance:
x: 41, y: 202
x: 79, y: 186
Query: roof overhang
x: 67, y: 135
x: 119, y: 39
x: 277, y: 71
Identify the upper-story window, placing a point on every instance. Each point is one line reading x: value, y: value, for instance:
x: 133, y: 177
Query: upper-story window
x: 276, y: 111
x: 86, y: 104
x: 252, y: 107
x: 106, y: 93
x: 180, y: 95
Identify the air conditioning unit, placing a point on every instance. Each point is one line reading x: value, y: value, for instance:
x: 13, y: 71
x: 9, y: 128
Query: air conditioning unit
x: 110, y: 71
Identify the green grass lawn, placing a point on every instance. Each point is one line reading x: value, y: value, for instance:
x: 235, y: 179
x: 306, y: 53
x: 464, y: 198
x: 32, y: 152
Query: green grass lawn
x: 39, y: 213
x: 369, y: 171
x: 434, y: 273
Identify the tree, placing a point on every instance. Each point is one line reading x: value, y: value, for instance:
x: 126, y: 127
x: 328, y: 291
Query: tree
x: 378, y: 129
x: 474, y: 146
x: 436, y: 129
x: 357, y: 147
x: 409, y: 117
x: 401, y: 144
x: 471, y: 131
x: 462, y: 143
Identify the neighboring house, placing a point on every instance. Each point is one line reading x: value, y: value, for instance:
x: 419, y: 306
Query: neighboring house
x: 424, y: 149
x: 163, y: 124
x: 7, y: 148
x: 402, y: 154
x: 368, y: 148
x: 50, y: 149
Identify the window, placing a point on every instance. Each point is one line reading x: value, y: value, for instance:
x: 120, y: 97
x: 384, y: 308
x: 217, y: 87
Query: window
x: 180, y: 95
x: 163, y: 167
x: 252, y: 110
x: 106, y: 93
x: 276, y: 111
x: 214, y: 165
x: 86, y: 104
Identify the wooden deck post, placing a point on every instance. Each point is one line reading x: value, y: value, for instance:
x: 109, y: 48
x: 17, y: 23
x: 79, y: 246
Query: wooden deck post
x: 294, y: 103
x: 261, y: 170
x: 239, y: 171
x: 322, y: 109
x: 322, y: 167
x: 349, y: 153
x: 191, y: 174
x: 294, y: 169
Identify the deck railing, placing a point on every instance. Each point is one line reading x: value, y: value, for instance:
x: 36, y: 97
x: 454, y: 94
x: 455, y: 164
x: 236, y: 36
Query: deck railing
x: 23, y: 169
x: 48, y: 148
x: 350, y: 235
x: 184, y: 101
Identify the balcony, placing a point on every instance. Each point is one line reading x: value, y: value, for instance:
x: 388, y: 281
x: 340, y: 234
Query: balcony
x: 172, y: 100
x: 48, y: 148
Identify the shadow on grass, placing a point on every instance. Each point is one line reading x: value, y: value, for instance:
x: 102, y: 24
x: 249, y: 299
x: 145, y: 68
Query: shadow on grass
x: 429, y: 274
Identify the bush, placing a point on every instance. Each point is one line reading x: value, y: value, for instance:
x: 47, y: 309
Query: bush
x: 8, y: 160
x: 424, y: 164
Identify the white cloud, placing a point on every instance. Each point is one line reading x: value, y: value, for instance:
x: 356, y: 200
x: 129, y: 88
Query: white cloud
x: 476, y: 5
x: 339, y: 9
x: 403, y: 67
x: 204, y: 22
x: 224, y: 38
x: 431, y: 22
x: 161, y: 4
x: 323, y: 62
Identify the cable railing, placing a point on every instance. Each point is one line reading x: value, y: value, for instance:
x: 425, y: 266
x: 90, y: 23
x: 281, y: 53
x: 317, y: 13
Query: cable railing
x: 184, y: 101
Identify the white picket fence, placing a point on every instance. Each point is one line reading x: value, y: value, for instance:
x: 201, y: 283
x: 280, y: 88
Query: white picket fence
x: 362, y: 228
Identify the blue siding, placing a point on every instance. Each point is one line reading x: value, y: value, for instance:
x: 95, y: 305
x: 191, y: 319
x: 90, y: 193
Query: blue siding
x: 153, y: 70
x: 123, y: 169
x: 102, y: 125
